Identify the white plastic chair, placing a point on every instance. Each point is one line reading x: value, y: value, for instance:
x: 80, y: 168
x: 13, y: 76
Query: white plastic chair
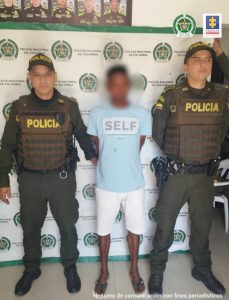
x: 224, y: 167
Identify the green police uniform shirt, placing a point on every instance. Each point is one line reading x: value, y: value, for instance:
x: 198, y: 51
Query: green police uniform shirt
x: 36, y: 14
x: 165, y: 106
x: 114, y: 18
x: 11, y: 132
x: 89, y: 19
x: 9, y: 14
x: 63, y: 15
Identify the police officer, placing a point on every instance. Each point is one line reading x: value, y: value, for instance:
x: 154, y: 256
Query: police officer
x: 63, y: 13
x: 36, y: 12
x: 221, y: 58
x: 39, y: 133
x: 190, y: 122
x: 223, y: 62
x: 90, y: 17
x: 114, y: 17
x: 8, y: 12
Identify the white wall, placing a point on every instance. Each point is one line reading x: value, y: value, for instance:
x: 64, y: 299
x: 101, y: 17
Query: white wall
x: 162, y: 13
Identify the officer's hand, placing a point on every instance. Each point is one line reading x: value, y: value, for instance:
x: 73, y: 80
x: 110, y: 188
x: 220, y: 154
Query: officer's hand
x: 94, y: 160
x: 5, y: 194
x: 217, y: 47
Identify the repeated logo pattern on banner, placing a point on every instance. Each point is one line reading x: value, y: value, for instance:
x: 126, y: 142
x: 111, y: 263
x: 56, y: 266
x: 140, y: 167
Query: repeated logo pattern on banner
x: 81, y: 59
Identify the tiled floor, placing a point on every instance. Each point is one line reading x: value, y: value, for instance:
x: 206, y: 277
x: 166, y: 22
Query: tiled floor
x: 51, y: 285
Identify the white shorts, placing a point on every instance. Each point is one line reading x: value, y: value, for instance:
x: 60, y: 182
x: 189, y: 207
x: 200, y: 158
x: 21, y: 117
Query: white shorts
x: 109, y: 204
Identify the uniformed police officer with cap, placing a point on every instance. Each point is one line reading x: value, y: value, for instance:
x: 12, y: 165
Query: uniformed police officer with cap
x: 36, y: 12
x: 39, y: 136
x: 89, y: 17
x: 190, y: 121
x: 9, y: 12
x: 114, y: 17
x: 63, y: 13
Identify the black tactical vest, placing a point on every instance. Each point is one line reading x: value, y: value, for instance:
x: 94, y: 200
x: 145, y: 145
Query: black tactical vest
x: 45, y: 133
x: 194, y: 130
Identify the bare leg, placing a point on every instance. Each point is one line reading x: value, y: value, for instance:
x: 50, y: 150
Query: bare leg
x: 104, y: 246
x: 133, y: 243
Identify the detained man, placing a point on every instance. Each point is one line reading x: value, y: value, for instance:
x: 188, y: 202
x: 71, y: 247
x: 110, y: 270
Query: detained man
x: 119, y: 129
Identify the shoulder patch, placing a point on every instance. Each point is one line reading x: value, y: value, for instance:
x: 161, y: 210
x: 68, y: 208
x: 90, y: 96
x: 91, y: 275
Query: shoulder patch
x: 171, y: 87
x: 160, y: 102
x: 158, y: 106
x: 167, y: 88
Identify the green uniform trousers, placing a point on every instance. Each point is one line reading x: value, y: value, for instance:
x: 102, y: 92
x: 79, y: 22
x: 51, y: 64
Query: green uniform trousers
x: 36, y: 191
x: 198, y: 191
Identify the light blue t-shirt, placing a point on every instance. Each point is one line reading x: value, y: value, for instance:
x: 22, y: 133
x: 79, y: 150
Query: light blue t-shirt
x: 119, y: 131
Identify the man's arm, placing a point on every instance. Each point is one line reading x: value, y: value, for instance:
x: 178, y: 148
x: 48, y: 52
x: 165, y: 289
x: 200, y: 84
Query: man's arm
x: 80, y: 132
x: 221, y: 58
x: 142, y: 141
x: 95, y: 139
x: 9, y: 145
x: 161, y: 113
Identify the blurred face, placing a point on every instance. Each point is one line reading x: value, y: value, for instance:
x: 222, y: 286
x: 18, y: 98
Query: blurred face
x: 199, y: 66
x: 62, y: 3
x: 36, y: 3
x: 115, y: 5
x: 8, y: 3
x: 89, y: 6
x: 43, y: 81
x: 118, y: 86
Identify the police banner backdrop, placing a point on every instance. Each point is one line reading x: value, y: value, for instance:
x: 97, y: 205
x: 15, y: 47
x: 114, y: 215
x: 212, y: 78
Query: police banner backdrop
x: 81, y: 58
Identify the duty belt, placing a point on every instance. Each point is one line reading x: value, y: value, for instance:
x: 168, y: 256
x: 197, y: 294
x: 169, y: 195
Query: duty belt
x: 42, y: 171
x: 63, y: 174
x: 175, y: 167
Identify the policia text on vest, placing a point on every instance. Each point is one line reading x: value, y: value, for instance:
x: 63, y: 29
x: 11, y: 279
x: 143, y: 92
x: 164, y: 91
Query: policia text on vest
x: 42, y: 123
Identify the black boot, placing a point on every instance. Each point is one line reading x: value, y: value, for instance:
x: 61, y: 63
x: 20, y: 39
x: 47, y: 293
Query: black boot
x: 25, y: 282
x: 73, y: 279
x: 155, y: 285
x: 210, y: 282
